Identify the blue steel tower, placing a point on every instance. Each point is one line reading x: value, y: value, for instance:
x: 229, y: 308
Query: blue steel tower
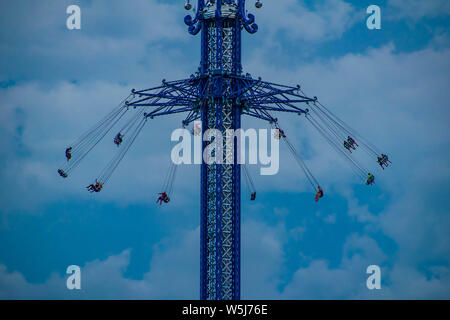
x: 219, y: 94
x: 220, y: 23
x: 220, y: 26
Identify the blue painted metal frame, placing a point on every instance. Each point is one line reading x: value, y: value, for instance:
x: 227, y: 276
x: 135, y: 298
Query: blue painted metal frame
x: 254, y: 96
x: 215, y: 86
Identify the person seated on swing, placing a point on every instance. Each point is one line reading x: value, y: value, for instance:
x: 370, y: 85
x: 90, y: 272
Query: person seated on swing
x: 380, y: 162
x: 279, y: 134
x: 69, y: 153
x: 319, y: 193
x: 163, y: 197
x: 118, y: 139
x: 370, y: 179
x: 253, y: 196
x: 91, y: 188
x: 352, y: 142
x: 62, y: 173
x: 197, y: 130
x: 347, y: 146
x: 97, y: 187
x: 385, y: 159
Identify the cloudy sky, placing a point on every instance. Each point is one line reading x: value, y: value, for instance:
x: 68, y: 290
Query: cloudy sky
x: 392, y: 85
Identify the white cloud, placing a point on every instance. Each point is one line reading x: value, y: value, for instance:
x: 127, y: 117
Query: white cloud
x: 418, y: 9
x: 326, y: 21
x: 347, y: 281
x: 165, y: 279
x: 105, y: 280
x: 117, y: 42
x: 262, y: 259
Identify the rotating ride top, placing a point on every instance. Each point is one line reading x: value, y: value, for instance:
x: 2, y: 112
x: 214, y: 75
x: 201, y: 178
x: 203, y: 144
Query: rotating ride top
x: 219, y: 94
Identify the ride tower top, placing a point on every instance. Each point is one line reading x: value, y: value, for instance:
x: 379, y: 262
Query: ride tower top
x: 220, y: 23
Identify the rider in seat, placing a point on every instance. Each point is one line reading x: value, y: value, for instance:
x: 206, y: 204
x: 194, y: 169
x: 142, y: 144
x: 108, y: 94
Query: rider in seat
x: 118, y: 139
x: 380, y: 162
x: 62, y: 173
x: 97, y: 187
x: 348, y: 146
x: 69, y: 153
x: 91, y: 187
x: 163, y: 197
x: 385, y: 159
x: 279, y: 134
x: 370, y: 179
x: 352, y: 142
x: 197, y: 130
x: 319, y: 193
x: 253, y: 196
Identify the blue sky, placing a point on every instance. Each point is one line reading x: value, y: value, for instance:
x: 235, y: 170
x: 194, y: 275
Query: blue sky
x: 392, y: 85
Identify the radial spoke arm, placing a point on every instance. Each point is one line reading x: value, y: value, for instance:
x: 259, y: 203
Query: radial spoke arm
x: 192, y: 116
x: 260, y: 114
x: 169, y: 98
x: 256, y: 95
x: 163, y: 111
x: 278, y: 108
x: 267, y: 92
